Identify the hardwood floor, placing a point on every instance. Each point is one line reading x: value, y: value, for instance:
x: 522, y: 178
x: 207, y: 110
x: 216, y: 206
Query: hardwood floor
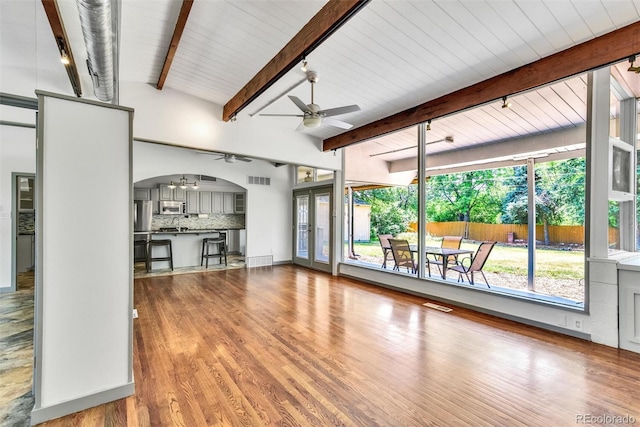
x: 289, y: 346
x: 16, y: 353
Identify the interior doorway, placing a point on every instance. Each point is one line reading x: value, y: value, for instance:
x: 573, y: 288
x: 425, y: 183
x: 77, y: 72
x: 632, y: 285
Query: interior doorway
x: 313, y: 228
x: 23, y: 230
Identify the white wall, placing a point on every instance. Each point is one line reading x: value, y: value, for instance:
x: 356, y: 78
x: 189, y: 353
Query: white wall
x: 30, y: 60
x: 84, y: 297
x: 17, y: 154
x: 268, y: 208
x: 173, y: 117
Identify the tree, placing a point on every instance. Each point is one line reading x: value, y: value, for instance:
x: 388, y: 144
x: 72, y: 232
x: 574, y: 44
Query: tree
x: 468, y: 196
x: 392, y: 208
x: 566, y: 181
x: 559, y: 197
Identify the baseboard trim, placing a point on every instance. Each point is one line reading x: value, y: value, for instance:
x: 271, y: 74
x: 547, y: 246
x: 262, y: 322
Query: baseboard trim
x: 41, y: 415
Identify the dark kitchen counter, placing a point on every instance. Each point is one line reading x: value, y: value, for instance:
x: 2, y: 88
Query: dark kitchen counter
x: 196, y: 231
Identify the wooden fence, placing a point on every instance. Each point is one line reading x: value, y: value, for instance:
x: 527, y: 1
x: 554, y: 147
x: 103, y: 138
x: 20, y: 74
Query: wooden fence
x: 567, y: 234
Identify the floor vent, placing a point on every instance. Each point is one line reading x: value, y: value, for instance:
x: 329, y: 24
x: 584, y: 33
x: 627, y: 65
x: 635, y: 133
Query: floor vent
x: 259, y: 261
x: 437, y: 307
x: 259, y: 180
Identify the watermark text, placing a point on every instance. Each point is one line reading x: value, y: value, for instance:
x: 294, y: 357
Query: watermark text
x: 605, y: 419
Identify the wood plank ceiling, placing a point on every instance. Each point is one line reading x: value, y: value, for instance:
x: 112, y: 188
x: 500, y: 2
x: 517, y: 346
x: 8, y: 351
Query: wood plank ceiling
x: 389, y: 57
x: 558, y: 106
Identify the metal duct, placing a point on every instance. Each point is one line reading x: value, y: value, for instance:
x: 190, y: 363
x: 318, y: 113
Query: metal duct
x: 96, y: 23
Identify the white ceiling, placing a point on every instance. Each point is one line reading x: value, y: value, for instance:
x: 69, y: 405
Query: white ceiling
x: 392, y: 55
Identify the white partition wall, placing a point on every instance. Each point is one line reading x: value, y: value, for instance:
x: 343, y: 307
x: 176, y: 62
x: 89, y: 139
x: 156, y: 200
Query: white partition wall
x: 84, y: 279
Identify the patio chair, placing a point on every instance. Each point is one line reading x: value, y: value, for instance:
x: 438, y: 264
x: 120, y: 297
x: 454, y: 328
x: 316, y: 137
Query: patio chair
x: 386, y: 247
x: 402, y: 255
x: 475, y: 264
x: 449, y: 242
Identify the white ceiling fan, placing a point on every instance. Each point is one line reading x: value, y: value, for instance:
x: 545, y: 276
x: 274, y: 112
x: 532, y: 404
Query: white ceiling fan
x: 313, y: 116
x: 229, y: 158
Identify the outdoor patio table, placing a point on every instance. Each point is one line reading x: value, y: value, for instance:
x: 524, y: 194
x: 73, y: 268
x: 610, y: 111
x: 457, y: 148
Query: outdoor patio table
x: 443, y: 252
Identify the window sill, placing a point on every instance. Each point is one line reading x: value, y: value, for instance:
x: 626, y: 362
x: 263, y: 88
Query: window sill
x: 523, y: 295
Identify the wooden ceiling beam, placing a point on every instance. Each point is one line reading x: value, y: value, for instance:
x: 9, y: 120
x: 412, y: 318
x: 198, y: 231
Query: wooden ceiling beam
x: 60, y: 36
x: 598, y: 52
x: 175, y: 40
x: 331, y: 17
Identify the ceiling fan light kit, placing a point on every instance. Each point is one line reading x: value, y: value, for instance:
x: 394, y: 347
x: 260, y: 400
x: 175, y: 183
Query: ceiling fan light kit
x: 312, y: 121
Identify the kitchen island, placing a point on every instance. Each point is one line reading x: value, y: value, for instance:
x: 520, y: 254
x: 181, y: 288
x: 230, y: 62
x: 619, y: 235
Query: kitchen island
x: 186, y: 245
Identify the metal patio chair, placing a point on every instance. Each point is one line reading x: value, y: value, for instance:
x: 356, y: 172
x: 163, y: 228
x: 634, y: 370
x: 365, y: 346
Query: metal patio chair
x: 475, y: 264
x: 386, y: 247
x: 402, y: 255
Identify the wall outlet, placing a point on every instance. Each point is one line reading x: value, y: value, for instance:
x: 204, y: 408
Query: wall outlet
x: 578, y: 324
x: 135, y: 313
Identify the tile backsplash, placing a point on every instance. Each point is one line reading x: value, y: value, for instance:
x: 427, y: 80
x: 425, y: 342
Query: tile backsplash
x: 26, y: 222
x: 220, y: 221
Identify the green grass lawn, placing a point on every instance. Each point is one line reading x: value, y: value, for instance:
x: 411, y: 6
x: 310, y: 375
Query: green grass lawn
x: 556, y: 264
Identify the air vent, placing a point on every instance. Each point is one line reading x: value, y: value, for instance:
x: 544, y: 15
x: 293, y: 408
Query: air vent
x: 259, y: 261
x: 207, y: 178
x: 437, y: 307
x: 258, y: 180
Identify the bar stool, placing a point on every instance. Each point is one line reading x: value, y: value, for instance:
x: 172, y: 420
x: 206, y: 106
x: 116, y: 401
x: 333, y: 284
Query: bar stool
x: 150, y: 258
x: 220, y: 243
x: 140, y: 246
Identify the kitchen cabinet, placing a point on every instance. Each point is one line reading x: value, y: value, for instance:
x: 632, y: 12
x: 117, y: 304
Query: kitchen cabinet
x: 227, y: 203
x: 193, y: 202
x: 179, y: 194
x: 166, y: 193
x: 141, y: 194
x: 238, y: 203
x: 216, y: 203
x: 154, y: 194
x: 25, y: 193
x: 205, y: 202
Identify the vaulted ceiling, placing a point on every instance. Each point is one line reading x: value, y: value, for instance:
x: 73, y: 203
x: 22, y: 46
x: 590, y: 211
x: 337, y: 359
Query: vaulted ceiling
x: 390, y: 56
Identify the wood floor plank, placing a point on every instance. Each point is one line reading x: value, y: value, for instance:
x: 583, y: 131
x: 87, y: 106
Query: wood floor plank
x: 290, y: 346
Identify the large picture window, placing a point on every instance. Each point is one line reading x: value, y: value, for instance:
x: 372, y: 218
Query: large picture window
x: 503, y: 196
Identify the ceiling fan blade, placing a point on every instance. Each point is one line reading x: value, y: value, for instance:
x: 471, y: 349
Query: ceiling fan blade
x: 243, y: 159
x: 339, y: 110
x: 210, y: 153
x: 301, y: 105
x: 282, y: 115
x: 337, y: 123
